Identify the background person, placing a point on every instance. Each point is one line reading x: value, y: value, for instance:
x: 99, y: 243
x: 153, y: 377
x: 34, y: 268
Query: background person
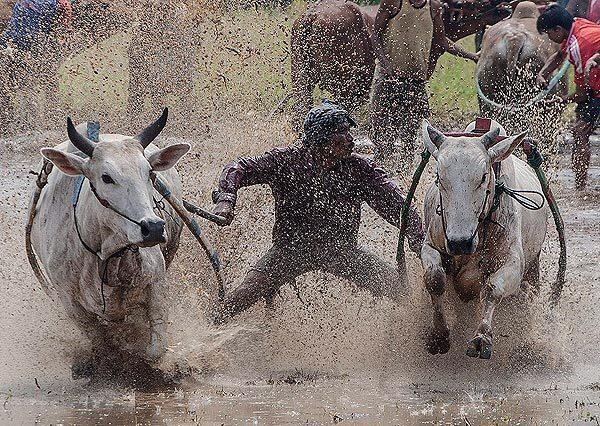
x: 580, y: 43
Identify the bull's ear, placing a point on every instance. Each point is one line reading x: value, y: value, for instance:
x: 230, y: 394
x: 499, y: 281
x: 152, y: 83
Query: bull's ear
x: 166, y: 158
x: 505, y: 147
x: 432, y: 138
x: 69, y: 164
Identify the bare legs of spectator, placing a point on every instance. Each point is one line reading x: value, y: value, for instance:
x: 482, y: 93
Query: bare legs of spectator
x: 580, y: 156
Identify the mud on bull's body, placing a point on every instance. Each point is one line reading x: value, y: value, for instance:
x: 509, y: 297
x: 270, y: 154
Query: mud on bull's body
x: 117, y: 300
x: 483, y: 244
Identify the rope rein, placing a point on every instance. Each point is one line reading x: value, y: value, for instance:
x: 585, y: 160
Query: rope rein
x: 106, y: 204
x: 517, y: 195
x: 117, y: 254
x: 499, y: 189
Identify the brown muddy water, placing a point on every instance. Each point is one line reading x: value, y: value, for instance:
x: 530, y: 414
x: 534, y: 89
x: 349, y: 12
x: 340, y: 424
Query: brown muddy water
x: 331, y: 355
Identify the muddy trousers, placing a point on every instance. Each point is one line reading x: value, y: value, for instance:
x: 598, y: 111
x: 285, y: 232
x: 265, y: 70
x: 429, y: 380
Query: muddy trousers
x: 398, y: 105
x: 281, y: 266
x: 587, y: 116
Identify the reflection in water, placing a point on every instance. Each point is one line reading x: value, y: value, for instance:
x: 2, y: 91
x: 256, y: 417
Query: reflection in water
x: 329, y: 401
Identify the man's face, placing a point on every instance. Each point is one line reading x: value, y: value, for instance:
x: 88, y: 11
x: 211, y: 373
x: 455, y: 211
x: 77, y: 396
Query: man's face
x: 557, y: 34
x: 341, y: 143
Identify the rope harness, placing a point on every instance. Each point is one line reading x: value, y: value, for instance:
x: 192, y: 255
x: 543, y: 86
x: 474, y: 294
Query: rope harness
x: 103, y: 268
x: 480, y: 218
x: 500, y: 188
x: 535, y: 160
x: 40, y: 183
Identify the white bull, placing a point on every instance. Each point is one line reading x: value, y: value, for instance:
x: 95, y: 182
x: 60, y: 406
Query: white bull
x: 106, y: 257
x: 482, y: 248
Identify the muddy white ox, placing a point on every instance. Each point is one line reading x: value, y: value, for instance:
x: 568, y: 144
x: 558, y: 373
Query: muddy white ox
x: 107, y: 256
x: 480, y: 249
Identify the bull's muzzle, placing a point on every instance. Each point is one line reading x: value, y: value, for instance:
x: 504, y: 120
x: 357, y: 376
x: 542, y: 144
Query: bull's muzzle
x: 458, y: 247
x: 153, y: 231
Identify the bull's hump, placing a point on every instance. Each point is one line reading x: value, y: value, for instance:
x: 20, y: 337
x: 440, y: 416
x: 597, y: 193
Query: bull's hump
x: 526, y: 9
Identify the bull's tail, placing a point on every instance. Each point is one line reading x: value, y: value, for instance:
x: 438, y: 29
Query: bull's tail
x: 523, y: 63
x: 514, y: 45
x: 365, y: 25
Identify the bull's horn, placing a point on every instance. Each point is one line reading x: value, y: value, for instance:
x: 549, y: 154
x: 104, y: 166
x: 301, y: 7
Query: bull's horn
x: 152, y: 131
x: 489, y: 138
x: 82, y: 143
x: 434, y: 134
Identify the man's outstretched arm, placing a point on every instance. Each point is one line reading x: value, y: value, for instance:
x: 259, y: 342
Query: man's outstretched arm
x: 550, y: 66
x: 385, y: 197
x: 243, y: 172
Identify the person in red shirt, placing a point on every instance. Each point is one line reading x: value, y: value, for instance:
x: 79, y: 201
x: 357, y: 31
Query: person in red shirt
x: 580, y: 43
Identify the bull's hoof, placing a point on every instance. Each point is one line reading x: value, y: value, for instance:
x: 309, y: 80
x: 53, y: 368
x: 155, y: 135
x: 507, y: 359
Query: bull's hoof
x: 480, y: 347
x: 438, y: 342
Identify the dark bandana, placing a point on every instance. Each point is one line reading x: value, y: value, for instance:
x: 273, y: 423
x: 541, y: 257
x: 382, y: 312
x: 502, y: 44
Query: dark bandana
x: 322, y: 120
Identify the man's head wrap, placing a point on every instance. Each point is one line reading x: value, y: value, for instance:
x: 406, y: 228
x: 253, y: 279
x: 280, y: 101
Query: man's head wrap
x: 322, y: 121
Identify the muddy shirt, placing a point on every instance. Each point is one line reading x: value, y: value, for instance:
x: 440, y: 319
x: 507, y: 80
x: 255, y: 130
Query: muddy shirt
x: 407, y: 41
x: 317, y: 208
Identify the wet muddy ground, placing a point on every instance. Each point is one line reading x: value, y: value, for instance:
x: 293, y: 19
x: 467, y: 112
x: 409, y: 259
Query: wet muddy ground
x: 334, y: 355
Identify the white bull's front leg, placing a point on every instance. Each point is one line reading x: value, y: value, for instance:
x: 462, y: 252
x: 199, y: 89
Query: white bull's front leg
x: 155, y: 304
x: 438, y: 341
x: 157, y: 320
x: 502, y: 283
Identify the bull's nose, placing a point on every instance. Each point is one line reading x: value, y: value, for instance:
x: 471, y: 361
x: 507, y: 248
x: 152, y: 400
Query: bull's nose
x: 153, y: 231
x: 461, y: 246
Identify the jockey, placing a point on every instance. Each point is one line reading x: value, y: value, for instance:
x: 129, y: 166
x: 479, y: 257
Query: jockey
x: 319, y: 187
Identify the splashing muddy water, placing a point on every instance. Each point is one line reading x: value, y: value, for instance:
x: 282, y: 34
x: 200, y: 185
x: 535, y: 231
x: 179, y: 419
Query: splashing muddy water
x: 329, y: 354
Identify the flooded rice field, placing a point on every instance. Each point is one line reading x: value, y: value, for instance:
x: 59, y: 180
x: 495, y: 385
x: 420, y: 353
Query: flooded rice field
x: 328, y: 354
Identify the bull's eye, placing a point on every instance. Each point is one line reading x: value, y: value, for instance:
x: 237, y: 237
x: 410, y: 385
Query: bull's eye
x: 107, y: 179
